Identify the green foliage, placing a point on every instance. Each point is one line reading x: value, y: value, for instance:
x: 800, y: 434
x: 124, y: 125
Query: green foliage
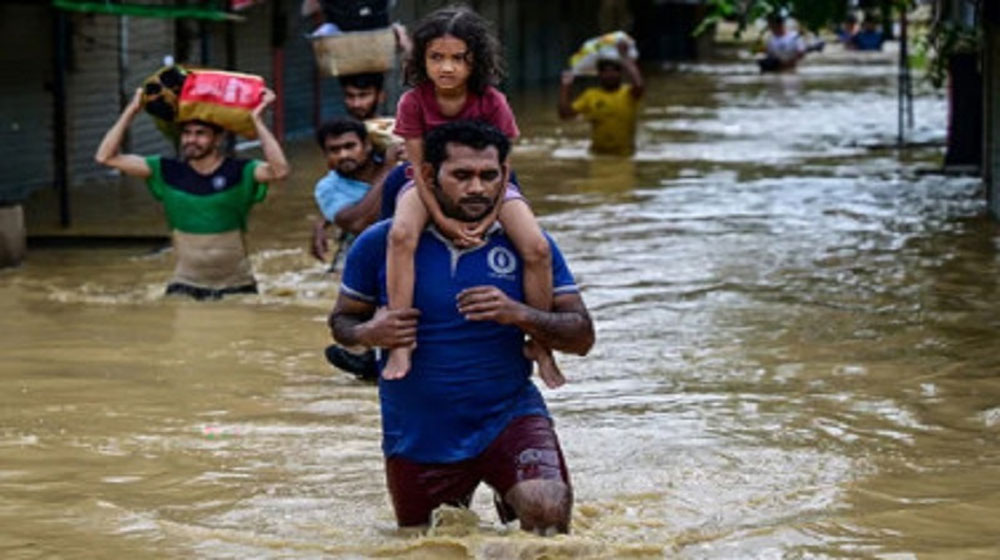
x: 944, y: 40
x: 742, y: 11
x: 816, y: 14
x: 811, y: 14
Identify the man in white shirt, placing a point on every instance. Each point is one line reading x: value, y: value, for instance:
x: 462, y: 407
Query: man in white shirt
x: 784, y: 49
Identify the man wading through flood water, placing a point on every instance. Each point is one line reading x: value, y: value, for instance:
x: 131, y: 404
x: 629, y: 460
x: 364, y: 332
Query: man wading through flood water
x: 467, y: 412
x: 206, y: 197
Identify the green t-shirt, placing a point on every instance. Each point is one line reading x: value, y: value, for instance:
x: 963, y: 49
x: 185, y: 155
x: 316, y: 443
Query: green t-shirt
x: 196, y: 203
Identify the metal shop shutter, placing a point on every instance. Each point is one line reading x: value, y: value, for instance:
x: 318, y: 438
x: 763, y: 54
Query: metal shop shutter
x: 26, y: 111
x: 147, y: 41
x: 91, y: 91
x: 300, y: 74
x: 253, y: 42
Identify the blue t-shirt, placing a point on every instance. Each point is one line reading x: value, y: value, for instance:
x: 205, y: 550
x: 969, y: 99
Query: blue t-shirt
x: 335, y: 192
x: 868, y: 40
x: 393, y: 183
x: 468, y: 379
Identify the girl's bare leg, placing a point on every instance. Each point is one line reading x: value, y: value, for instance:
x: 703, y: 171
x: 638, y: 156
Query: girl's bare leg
x: 521, y: 227
x: 548, y: 369
x: 407, y: 224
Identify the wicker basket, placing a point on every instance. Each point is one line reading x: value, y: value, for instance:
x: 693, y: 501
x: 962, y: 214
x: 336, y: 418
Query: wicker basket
x: 356, y: 52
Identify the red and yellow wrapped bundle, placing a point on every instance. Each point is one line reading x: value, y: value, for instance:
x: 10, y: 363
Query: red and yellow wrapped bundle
x: 222, y: 98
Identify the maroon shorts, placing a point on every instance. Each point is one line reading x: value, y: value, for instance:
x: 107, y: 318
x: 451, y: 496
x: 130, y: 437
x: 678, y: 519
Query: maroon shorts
x: 527, y: 449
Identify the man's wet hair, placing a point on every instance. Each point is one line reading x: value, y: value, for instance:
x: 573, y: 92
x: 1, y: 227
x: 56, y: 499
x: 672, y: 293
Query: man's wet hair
x: 336, y: 127
x: 363, y: 81
x: 215, y: 128
x: 477, y: 135
x: 776, y: 18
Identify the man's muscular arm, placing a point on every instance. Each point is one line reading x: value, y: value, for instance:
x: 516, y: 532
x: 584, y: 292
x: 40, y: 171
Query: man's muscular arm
x: 275, y: 166
x: 109, y: 151
x: 356, y: 323
x: 566, y: 328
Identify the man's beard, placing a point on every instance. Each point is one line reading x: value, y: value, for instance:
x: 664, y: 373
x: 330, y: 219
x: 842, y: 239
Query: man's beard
x: 364, y: 114
x: 348, y: 167
x: 456, y: 211
x: 195, y: 154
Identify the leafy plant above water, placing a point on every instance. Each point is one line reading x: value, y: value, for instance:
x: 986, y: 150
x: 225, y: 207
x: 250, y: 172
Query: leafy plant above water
x: 945, y: 39
x: 811, y: 14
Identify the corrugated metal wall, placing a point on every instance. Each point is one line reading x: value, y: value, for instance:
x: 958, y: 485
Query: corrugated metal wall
x: 149, y: 41
x: 26, y: 110
x: 110, y: 56
x: 253, y: 42
x: 300, y: 73
x: 254, y: 50
x: 92, y: 98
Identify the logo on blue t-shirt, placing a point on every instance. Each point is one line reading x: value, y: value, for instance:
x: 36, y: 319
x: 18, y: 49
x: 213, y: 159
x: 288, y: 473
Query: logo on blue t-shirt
x: 501, y: 261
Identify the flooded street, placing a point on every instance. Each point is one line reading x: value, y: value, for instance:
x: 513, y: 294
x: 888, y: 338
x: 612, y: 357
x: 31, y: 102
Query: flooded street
x: 796, y: 354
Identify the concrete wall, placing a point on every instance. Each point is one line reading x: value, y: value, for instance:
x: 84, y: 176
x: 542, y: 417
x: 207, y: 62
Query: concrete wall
x: 12, y: 235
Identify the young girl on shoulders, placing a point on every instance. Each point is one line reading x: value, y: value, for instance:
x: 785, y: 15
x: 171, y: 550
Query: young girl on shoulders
x: 453, y: 67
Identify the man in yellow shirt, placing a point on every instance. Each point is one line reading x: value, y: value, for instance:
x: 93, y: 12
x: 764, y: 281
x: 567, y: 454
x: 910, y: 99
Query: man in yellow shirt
x: 612, y: 108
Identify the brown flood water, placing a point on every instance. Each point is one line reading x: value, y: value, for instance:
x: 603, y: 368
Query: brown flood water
x: 796, y: 355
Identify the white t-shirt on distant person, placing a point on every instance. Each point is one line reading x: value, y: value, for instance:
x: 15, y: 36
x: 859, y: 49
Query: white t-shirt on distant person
x: 787, y: 47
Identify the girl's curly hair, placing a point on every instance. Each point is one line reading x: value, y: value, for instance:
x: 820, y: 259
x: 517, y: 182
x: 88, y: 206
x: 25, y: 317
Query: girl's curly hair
x: 462, y: 23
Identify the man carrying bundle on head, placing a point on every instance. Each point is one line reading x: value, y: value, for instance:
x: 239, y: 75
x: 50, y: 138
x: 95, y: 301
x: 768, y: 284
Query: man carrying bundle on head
x: 206, y: 196
x: 612, y: 107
